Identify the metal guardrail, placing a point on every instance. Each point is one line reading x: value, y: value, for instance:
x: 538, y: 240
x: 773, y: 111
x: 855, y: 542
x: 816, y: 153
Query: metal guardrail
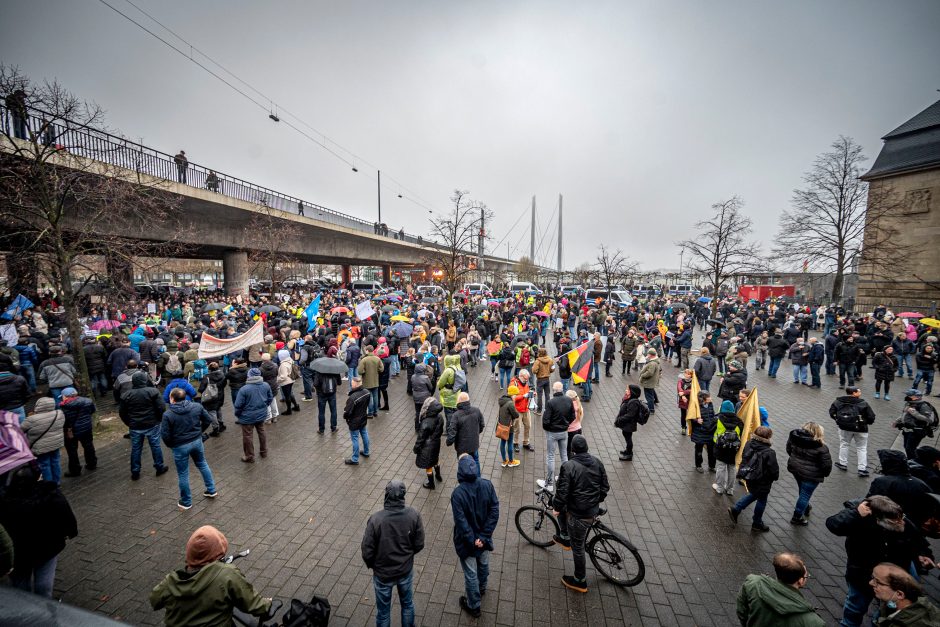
x: 91, y: 143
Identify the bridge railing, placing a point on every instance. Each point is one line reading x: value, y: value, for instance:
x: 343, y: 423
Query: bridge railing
x: 99, y: 145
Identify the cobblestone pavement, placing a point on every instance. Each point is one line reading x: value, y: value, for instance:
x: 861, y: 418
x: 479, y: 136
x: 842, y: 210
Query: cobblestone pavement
x: 302, y: 513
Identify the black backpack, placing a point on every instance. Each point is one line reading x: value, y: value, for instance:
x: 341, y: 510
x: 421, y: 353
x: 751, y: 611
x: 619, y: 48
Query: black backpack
x: 848, y: 416
x: 728, y: 441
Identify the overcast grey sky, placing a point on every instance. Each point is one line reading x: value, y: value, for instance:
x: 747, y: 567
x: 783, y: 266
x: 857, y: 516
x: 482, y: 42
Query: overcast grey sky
x: 641, y: 113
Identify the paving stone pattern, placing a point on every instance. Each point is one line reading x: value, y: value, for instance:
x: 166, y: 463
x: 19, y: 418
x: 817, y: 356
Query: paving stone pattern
x: 301, y: 511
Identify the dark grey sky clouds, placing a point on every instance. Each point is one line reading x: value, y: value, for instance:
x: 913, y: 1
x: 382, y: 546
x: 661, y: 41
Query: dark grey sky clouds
x: 642, y: 114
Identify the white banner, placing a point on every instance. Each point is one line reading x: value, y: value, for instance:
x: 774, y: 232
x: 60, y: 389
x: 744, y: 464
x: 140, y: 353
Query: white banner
x: 364, y: 310
x: 8, y: 333
x: 216, y: 347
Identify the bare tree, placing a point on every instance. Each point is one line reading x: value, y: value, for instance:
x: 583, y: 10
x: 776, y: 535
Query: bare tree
x: 613, y: 266
x: 457, y: 235
x: 584, y: 275
x: 63, y: 201
x: 526, y: 270
x: 269, y: 232
x: 720, y: 248
x: 826, y: 225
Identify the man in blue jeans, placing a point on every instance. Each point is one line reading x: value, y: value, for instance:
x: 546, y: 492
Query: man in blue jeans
x: 356, y: 416
x: 141, y: 409
x: 559, y: 413
x: 182, y: 430
x: 391, y: 540
x: 476, y: 514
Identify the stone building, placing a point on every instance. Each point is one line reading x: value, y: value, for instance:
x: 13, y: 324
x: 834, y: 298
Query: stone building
x: 907, y: 171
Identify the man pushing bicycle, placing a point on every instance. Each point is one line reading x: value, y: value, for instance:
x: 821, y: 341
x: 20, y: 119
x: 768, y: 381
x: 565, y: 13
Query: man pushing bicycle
x: 581, y: 487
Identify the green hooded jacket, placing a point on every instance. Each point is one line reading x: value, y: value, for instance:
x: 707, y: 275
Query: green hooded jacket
x: 765, y: 602
x: 446, y: 383
x: 205, y: 598
x: 921, y: 614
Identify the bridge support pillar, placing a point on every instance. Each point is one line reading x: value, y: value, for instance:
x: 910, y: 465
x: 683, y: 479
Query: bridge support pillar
x: 386, y: 275
x: 120, y: 271
x: 347, y: 275
x: 22, y: 274
x: 235, y: 272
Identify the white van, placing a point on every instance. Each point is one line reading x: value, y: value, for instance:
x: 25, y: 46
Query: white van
x: 474, y: 289
x: 618, y: 298
x: 431, y: 291
x: 370, y: 287
x: 683, y: 289
x: 524, y: 286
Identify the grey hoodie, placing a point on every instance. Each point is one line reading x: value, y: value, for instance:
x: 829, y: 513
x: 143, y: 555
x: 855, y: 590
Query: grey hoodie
x: 421, y: 385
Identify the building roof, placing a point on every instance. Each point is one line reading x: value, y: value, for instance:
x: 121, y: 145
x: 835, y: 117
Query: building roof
x: 915, y: 145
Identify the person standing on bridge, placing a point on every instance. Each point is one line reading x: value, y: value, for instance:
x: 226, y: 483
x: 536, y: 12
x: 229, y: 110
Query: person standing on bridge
x: 182, y: 163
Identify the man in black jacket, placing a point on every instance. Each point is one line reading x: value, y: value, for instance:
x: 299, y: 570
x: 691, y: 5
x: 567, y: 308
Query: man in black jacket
x: 852, y: 416
x: 559, y: 413
x: 391, y: 540
x: 466, y: 425
x: 355, y: 412
x: 846, y: 354
x: 876, y: 531
x: 582, y: 487
x: 777, y: 348
x: 897, y: 484
x: 733, y: 382
x: 141, y: 409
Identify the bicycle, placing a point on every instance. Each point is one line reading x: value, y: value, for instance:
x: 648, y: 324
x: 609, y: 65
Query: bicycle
x: 612, y: 554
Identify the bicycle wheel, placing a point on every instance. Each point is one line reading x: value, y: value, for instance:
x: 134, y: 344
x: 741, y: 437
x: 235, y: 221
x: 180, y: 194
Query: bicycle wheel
x: 536, y: 525
x: 616, y: 559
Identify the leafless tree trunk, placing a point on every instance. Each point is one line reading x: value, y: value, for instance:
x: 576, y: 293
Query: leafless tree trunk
x: 721, y: 249
x: 456, y: 234
x: 613, y: 266
x: 62, y: 199
x: 269, y: 231
x: 825, y: 227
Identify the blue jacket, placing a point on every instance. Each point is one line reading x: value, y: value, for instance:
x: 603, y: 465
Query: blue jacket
x: 251, y: 404
x: 684, y: 339
x: 28, y: 354
x: 352, y: 355
x: 79, y: 413
x: 182, y: 384
x: 184, y: 422
x: 119, y: 358
x: 817, y: 354
x: 136, y: 338
x: 476, y: 510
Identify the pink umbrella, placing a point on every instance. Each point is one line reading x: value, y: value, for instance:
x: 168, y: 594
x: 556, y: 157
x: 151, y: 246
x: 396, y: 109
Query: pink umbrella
x: 540, y: 314
x: 911, y: 314
x: 104, y: 324
x: 14, y: 448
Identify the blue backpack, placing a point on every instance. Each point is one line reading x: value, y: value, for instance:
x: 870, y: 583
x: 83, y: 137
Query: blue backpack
x: 200, y: 369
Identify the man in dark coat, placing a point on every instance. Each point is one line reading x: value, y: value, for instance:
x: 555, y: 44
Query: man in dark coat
x: 559, y: 413
x: 733, y: 382
x: 628, y: 417
x: 141, y: 409
x: 897, y: 484
x: 391, y: 540
x: 466, y: 425
x: 428, y: 443
x: 777, y: 348
x: 96, y: 358
x: 476, y: 514
x: 355, y: 412
x: 875, y: 531
x: 582, y: 487
x: 853, y: 416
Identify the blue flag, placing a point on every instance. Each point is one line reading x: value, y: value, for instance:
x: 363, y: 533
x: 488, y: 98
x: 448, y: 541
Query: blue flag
x: 312, y: 311
x: 18, y: 306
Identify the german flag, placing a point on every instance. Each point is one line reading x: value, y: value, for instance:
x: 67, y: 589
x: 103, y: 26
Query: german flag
x: 579, y: 358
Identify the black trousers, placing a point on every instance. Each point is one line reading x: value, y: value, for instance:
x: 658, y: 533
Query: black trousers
x: 628, y: 436
x: 88, y: 447
x: 710, y: 450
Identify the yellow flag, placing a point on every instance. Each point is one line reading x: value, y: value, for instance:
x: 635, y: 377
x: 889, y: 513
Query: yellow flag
x: 749, y: 413
x: 694, y: 412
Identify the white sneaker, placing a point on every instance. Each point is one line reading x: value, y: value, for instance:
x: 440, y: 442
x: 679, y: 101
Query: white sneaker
x: 717, y: 489
x: 544, y: 486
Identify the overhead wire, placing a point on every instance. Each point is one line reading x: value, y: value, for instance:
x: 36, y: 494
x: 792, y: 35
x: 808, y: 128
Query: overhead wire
x: 354, y: 159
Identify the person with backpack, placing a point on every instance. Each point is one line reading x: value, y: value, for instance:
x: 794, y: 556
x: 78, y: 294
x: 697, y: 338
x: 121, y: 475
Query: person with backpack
x: 759, y: 471
x: 632, y: 413
x: 810, y: 463
x: 326, y: 385
x: 918, y: 420
x: 722, y: 343
x: 506, y: 362
x: 522, y: 401
x: 171, y: 362
x: 523, y: 356
x: 212, y: 397
x: 451, y: 382
x: 852, y: 416
x: 703, y: 432
x: 142, y: 410
x: 727, y: 443
x: 306, y: 354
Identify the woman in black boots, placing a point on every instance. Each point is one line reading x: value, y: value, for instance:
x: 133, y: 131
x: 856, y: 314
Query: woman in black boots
x: 427, y: 448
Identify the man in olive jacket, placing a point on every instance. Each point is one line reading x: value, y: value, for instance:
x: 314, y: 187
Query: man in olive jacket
x: 369, y: 368
x: 767, y: 602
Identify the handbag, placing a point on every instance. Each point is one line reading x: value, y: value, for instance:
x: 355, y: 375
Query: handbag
x: 502, y: 431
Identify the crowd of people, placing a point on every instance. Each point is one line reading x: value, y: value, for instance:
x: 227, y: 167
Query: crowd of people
x: 545, y: 355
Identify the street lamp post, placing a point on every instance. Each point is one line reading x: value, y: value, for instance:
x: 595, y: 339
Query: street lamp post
x: 379, y: 186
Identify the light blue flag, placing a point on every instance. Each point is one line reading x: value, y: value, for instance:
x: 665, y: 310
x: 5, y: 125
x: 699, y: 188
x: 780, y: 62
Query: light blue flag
x: 312, y: 311
x: 18, y: 306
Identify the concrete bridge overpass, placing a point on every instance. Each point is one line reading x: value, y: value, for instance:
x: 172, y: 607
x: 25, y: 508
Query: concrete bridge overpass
x: 218, y: 209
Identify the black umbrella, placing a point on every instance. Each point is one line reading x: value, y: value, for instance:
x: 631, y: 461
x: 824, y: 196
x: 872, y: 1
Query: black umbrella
x: 679, y: 306
x: 329, y: 365
x: 214, y: 307
x: 715, y: 323
x: 431, y: 300
x: 389, y: 308
x: 269, y: 309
